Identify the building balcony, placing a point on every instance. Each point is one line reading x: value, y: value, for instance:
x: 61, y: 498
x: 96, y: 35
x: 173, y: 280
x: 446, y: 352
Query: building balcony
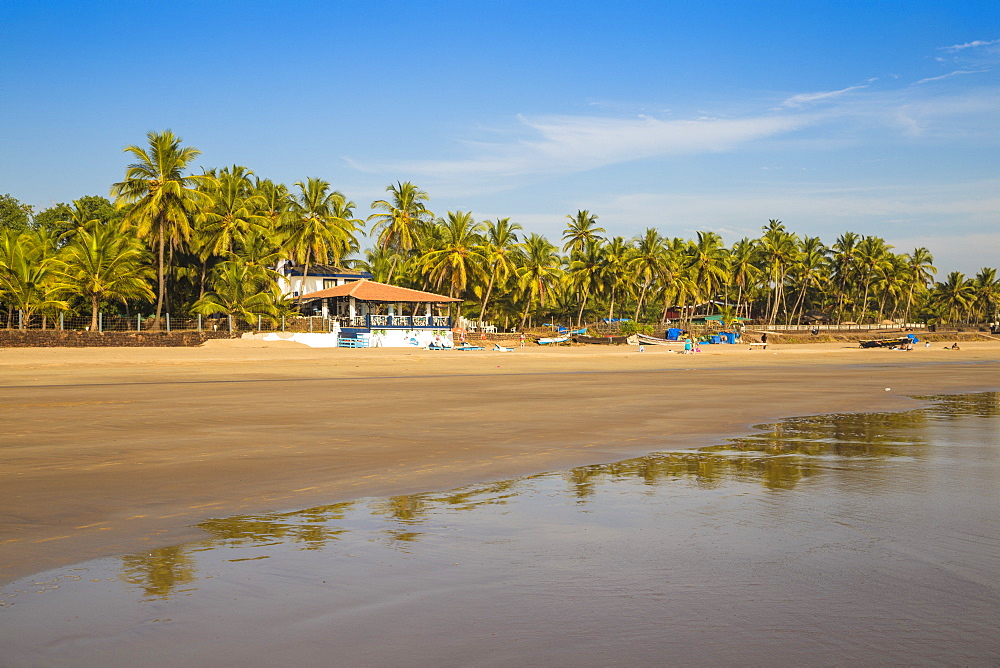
x: 395, y: 322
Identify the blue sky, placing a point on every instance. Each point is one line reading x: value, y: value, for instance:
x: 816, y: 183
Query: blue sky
x: 879, y: 118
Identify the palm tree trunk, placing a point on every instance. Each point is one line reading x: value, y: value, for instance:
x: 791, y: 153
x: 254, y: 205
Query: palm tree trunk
x: 160, y: 279
x: 392, y: 268
x: 93, y: 313
x: 642, y: 298
x: 486, y: 299
x: 524, y: 316
x: 583, y: 303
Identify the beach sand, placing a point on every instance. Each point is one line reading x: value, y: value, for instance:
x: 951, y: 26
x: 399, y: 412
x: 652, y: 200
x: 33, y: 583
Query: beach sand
x: 105, y: 451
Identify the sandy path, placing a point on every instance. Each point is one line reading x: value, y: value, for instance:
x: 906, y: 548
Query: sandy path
x: 105, y: 451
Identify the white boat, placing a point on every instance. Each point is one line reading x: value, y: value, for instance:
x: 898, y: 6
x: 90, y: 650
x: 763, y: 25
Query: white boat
x: 653, y: 341
x: 552, y: 339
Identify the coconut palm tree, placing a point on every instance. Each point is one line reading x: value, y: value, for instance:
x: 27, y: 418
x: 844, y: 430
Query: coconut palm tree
x: 585, y: 273
x: 743, y: 270
x: 707, y: 262
x: 808, y: 270
x: 234, y: 212
x: 377, y: 262
x: 30, y: 272
x: 581, y: 230
x: 500, y: 251
x: 614, y: 267
x: 986, y: 287
x: 461, y: 255
x: 955, y: 294
x: 160, y: 200
x: 646, y: 263
x: 872, y: 254
x: 844, y: 267
x: 778, y: 249
x: 323, y: 230
x: 100, y: 263
x: 399, y: 219
x: 242, y: 291
x: 918, y: 273
x: 275, y: 206
x: 538, y: 271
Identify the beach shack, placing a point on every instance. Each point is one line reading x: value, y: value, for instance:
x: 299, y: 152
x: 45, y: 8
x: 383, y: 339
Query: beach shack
x: 376, y: 314
x: 295, y: 280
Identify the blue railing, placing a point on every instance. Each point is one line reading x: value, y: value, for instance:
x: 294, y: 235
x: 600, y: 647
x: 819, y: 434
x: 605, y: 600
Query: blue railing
x: 397, y: 322
x: 343, y: 342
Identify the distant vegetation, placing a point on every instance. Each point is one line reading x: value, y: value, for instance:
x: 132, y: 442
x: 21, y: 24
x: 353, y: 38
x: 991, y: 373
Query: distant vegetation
x: 172, y: 241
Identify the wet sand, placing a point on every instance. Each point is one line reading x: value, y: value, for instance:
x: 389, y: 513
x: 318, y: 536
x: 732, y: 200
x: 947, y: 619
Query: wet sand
x: 109, y: 451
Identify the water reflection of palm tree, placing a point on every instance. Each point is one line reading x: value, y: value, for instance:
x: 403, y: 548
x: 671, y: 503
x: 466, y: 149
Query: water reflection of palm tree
x: 159, y: 572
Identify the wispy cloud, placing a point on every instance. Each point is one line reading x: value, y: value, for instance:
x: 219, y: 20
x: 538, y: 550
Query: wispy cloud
x: 566, y: 144
x: 947, y: 76
x: 808, y: 98
x: 969, y: 45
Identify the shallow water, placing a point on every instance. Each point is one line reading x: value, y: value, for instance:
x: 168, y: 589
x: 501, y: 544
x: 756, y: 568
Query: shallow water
x: 830, y: 540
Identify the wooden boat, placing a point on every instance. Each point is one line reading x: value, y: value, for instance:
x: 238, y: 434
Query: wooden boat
x: 551, y: 339
x: 601, y: 340
x: 653, y: 341
x: 886, y: 343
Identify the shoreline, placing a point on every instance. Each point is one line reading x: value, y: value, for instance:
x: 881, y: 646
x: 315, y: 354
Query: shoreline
x: 111, y: 451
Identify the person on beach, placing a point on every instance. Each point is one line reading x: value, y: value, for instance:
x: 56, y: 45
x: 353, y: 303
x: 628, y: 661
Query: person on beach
x: 687, y: 345
x: 954, y: 346
x: 763, y: 338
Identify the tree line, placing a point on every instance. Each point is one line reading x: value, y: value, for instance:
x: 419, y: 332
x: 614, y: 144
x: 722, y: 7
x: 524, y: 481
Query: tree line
x: 168, y: 240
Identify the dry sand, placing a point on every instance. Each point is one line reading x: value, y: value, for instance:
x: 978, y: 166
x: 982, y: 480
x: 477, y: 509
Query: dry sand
x: 106, y: 451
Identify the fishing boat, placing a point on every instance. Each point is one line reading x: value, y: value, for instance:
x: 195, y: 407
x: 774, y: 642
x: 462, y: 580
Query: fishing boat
x: 896, y: 342
x: 647, y: 340
x: 601, y: 340
x: 551, y: 339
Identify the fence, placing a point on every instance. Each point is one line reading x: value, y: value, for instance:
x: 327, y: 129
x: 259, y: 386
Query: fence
x: 168, y: 323
x: 841, y: 328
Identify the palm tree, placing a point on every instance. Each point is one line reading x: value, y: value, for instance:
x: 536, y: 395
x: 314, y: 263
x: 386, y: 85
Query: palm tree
x: 234, y: 212
x: 323, y: 228
x: 808, y: 271
x: 82, y: 212
x: 743, y: 270
x: 100, y: 263
x: 499, y: 250
x: 243, y: 291
x: 617, y: 255
x: 161, y: 199
x: 30, y: 278
x: 986, y: 287
x: 708, y: 262
x: 778, y: 248
x: 647, y: 263
x: 919, y: 269
x: 400, y: 219
x: 585, y: 273
x: 844, y: 266
x: 460, y: 257
x: 955, y: 294
x: 581, y: 230
x: 538, y: 271
x: 275, y: 206
x: 873, y: 254
x: 377, y: 262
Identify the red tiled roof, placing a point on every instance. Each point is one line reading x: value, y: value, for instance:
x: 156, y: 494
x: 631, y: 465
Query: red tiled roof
x: 373, y: 291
